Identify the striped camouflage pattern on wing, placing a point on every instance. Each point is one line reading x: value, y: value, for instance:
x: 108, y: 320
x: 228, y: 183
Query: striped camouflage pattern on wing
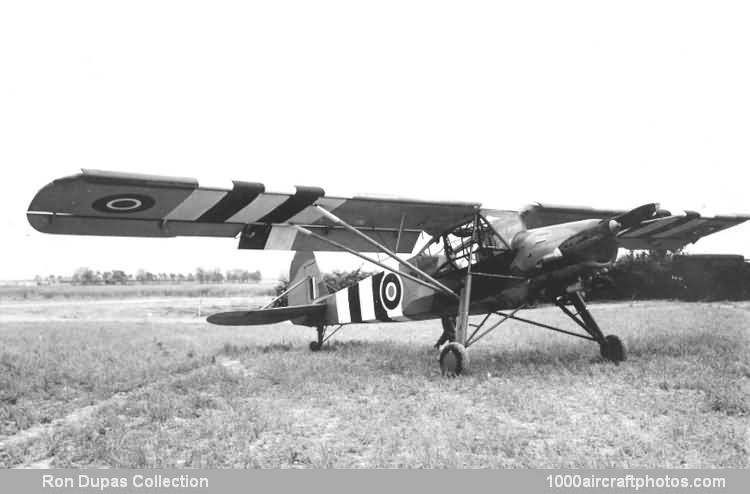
x: 376, y: 298
x: 122, y: 204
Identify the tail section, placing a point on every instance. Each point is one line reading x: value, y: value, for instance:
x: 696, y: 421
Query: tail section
x: 309, y: 315
x: 300, y: 309
x: 304, y: 266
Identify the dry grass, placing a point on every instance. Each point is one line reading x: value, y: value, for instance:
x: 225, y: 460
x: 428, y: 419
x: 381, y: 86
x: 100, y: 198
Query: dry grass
x: 89, y: 292
x: 181, y: 393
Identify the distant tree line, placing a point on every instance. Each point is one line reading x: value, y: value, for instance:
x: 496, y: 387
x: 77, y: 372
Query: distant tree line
x: 334, y: 281
x: 87, y: 276
x: 667, y: 275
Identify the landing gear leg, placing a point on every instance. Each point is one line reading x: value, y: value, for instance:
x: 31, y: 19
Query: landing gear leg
x: 322, y: 338
x: 449, y: 332
x: 610, y: 346
x: 454, y: 359
x: 315, y: 346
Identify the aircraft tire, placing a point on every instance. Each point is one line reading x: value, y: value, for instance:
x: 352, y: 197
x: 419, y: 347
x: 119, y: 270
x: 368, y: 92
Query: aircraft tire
x: 314, y: 346
x: 613, y: 349
x: 454, y: 359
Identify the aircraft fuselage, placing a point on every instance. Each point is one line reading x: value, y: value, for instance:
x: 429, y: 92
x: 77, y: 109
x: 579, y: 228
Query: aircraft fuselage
x: 539, y: 263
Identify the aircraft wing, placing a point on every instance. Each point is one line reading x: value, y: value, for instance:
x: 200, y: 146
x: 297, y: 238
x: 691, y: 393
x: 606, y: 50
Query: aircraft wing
x: 538, y: 215
x: 660, y: 230
x: 123, y: 204
x: 675, y: 231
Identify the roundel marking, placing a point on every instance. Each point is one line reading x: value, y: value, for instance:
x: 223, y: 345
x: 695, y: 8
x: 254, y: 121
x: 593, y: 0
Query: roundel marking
x: 123, y: 203
x: 390, y: 291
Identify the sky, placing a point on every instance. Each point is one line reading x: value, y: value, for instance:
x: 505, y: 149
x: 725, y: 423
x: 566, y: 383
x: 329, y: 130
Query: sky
x: 606, y: 104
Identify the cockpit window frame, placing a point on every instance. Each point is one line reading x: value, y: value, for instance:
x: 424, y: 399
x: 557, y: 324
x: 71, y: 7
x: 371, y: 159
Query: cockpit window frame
x: 498, y: 214
x: 491, y: 238
x: 495, y: 232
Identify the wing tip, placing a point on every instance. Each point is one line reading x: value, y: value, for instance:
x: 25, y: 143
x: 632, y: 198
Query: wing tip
x: 37, y: 220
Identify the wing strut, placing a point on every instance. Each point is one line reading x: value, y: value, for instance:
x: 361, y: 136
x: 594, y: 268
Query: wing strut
x: 343, y: 247
x: 400, y: 231
x: 385, y: 250
x: 269, y: 305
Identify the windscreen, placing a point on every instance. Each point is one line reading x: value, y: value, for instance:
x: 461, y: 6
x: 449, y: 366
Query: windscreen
x: 506, y: 223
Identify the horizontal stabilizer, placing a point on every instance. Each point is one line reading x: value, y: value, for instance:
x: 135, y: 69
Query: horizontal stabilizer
x: 311, y: 313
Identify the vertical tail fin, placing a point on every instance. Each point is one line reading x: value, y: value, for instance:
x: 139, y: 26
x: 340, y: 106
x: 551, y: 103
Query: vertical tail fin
x: 304, y: 266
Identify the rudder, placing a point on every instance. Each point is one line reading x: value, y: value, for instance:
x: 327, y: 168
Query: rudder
x: 304, y: 266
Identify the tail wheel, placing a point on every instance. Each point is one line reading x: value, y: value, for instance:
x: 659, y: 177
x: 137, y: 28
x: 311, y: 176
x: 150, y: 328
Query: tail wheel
x: 454, y: 359
x: 613, y: 349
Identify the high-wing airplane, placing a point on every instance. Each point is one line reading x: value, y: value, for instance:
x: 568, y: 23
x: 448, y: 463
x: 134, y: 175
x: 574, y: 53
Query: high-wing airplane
x: 473, y: 261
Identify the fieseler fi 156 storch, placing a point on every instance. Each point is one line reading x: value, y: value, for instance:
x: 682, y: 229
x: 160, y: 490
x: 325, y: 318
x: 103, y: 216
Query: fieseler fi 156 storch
x: 473, y: 261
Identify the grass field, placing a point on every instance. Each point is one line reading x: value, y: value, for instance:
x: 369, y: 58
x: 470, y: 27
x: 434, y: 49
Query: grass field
x: 77, y: 292
x: 149, y: 384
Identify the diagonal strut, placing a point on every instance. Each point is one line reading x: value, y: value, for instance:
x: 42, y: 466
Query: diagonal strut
x: 385, y: 250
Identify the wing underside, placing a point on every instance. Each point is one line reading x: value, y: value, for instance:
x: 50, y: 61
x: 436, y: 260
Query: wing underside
x: 675, y: 231
x: 106, y: 203
x: 666, y: 230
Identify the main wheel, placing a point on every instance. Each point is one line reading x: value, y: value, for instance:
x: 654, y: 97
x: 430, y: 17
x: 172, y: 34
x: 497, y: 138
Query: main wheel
x: 314, y: 346
x: 454, y: 359
x: 613, y: 349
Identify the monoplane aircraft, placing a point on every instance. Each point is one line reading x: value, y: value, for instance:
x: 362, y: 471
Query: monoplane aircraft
x: 473, y: 261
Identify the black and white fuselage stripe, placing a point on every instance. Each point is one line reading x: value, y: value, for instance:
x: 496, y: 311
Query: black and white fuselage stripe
x: 377, y: 298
